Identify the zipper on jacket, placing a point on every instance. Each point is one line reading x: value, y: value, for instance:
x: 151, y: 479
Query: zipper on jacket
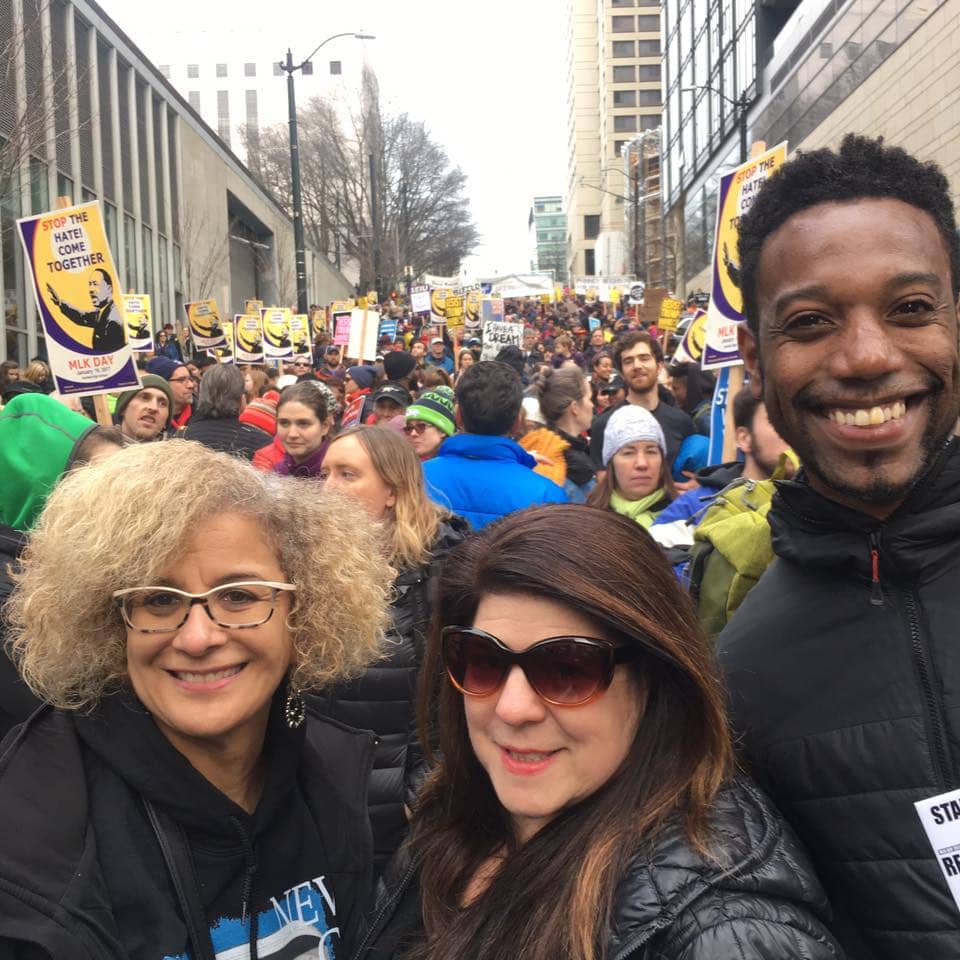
x: 876, y: 591
x: 386, y: 910
x: 941, y: 758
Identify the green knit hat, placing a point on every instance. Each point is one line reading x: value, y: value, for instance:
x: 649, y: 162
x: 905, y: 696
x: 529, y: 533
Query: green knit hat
x: 436, y: 408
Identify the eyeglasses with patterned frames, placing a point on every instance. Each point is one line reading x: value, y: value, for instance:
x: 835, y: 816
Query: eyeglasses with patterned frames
x: 235, y: 606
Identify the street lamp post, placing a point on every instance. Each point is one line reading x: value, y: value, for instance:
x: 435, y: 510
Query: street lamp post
x: 741, y: 103
x: 289, y: 68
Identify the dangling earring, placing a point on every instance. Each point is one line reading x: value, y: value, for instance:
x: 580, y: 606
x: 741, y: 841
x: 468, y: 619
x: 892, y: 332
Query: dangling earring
x: 295, y: 710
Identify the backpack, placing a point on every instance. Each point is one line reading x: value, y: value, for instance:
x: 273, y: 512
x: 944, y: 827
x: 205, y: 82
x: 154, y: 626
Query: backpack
x: 732, y: 547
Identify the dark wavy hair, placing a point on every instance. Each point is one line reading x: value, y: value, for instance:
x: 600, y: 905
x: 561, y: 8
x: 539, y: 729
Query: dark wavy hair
x: 552, y: 896
x: 862, y: 168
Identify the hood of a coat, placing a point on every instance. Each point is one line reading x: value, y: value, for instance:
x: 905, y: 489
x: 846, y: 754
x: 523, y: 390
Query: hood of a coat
x: 38, y: 439
x: 914, y: 542
x: 720, y: 475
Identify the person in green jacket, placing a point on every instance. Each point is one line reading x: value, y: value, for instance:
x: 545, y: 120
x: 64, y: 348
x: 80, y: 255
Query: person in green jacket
x: 40, y: 441
x: 636, y: 482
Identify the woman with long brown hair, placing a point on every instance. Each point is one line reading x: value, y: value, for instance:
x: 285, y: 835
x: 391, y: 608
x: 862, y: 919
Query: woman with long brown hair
x: 582, y: 802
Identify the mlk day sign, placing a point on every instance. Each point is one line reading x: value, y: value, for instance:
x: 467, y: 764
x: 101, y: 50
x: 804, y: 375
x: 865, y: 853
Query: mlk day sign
x: 74, y: 279
x: 420, y: 299
x: 471, y: 305
x: 136, y: 318
x: 248, y: 332
x: 738, y: 190
x: 300, y: 335
x: 206, y: 327
x: 277, y: 344
x: 438, y: 305
x: 497, y: 335
x: 227, y: 352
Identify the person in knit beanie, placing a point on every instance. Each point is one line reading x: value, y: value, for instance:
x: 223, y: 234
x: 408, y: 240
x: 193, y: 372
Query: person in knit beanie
x: 262, y: 412
x: 637, y: 481
x: 144, y: 412
x: 430, y: 420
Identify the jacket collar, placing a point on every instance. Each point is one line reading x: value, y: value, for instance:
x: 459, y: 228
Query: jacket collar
x: 475, y: 446
x: 913, y: 542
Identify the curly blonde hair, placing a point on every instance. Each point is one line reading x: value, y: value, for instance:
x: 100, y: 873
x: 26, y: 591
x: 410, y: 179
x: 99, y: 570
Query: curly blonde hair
x: 122, y: 521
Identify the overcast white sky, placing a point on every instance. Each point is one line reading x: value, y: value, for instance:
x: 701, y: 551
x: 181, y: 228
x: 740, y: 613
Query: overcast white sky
x: 488, y: 79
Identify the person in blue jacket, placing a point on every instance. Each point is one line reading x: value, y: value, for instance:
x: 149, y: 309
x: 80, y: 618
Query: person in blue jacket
x: 482, y: 474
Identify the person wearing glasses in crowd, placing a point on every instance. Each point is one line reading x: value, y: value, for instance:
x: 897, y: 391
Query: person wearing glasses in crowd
x: 185, y: 797
x: 378, y: 468
x: 182, y: 385
x: 430, y: 420
x: 582, y: 800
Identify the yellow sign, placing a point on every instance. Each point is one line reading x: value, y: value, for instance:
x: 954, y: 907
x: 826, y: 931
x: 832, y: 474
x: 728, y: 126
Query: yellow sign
x: 670, y: 311
x: 249, y: 338
x: 438, y: 304
x: 252, y: 307
x: 300, y: 335
x: 136, y: 317
x: 472, y: 309
x: 205, y: 324
x: 225, y: 354
x: 277, y: 344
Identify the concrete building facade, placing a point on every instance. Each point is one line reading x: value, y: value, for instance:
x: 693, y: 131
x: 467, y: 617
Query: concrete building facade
x: 84, y: 115
x: 547, y: 224
x: 614, y: 93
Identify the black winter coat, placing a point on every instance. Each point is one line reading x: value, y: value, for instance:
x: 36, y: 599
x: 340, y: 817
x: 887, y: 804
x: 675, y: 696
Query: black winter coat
x: 759, y: 901
x: 383, y: 699
x: 227, y: 435
x: 16, y: 700
x: 845, y: 686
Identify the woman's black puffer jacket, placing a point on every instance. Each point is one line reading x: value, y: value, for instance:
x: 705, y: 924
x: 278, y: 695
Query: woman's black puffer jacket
x: 756, y: 899
x: 383, y: 699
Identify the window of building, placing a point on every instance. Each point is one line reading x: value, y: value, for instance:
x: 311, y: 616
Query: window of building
x: 39, y: 191
x: 336, y: 68
x: 623, y: 3
x: 221, y: 69
x: 624, y: 74
x: 649, y: 123
x: 64, y: 186
x: 223, y: 115
x: 193, y: 71
x: 110, y: 224
x: 277, y: 69
x: 589, y: 263
x: 148, y: 263
x: 649, y: 98
x: 648, y: 23
x: 648, y: 48
x: 625, y: 124
x: 624, y: 49
x: 193, y: 98
x: 648, y: 72
x: 624, y: 98
x: 165, y: 70
x: 591, y: 226
x: 249, y: 69
x: 623, y: 24
x: 130, y: 252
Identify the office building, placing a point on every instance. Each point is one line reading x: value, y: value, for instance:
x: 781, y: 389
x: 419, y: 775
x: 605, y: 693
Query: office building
x: 547, y: 224
x: 614, y: 93
x: 84, y: 115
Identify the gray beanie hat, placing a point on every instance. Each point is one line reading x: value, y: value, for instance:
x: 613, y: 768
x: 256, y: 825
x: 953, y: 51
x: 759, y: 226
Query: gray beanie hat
x: 631, y: 424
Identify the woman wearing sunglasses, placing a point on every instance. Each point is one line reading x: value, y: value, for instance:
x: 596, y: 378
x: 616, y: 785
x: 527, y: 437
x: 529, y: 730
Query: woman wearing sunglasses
x: 582, y: 803
x: 179, y: 796
x: 429, y: 420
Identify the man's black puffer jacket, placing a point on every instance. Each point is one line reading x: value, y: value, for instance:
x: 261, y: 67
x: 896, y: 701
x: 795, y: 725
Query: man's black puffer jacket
x: 227, y: 435
x: 383, y: 699
x: 757, y: 900
x: 843, y: 667
x: 16, y: 701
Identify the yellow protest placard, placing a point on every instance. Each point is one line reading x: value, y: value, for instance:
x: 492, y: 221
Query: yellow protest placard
x: 205, y: 324
x: 137, y: 322
x: 248, y: 334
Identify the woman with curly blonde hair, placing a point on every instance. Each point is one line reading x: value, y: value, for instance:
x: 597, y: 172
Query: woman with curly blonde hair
x: 379, y: 468
x: 177, y: 796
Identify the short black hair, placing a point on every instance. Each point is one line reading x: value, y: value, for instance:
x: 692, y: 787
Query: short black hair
x: 630, y: 340
x: 489, y: 396
x: 745, y: 406
x: 863, y: 168
x: 106, y: 276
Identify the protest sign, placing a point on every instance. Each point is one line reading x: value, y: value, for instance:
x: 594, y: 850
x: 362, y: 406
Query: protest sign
x: 277, y: 344
x: 205, y: 324
x: 248, y: 334
x: 491, y: 310
x: 690, y: 348
x: 438, y: 302
x: 432, y: 280
x: 318, y: 322
x: 388, y: 328
x: 341, y: 327
x: 364, y: 327
x: 636, y: 293
x: 252, y: 307
x: 471, y: 309
x: 594, y: 323
x: 420, y: 299
x: 137, y: 325
x: 649, y: 311
x: 227, y: 353
x: 74, y: 280
x: 497, y: 335
x: 353, y: 411
x: 738, y: 189
x: 670, y: 310
x: 300, y: 335
x: 453, y: 308
x: 341, y: 306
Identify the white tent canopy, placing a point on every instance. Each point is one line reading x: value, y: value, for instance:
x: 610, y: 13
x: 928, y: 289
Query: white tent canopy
x: 520, y: 285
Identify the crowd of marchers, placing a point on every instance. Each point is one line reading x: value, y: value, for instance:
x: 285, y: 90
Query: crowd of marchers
x: 440, y: 657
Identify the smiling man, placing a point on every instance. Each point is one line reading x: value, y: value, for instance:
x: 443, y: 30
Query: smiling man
x: 842, y: 664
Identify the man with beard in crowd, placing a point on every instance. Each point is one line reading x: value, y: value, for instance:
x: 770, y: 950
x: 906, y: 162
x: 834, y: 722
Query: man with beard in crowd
x: 143, y: 414
x: 842, y: 663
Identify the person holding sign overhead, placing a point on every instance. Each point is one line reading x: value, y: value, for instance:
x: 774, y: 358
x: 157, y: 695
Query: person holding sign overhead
x: 105, y: 318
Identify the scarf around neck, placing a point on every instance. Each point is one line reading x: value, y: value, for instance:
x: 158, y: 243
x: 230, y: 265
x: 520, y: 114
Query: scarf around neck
x: 640, y: 510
